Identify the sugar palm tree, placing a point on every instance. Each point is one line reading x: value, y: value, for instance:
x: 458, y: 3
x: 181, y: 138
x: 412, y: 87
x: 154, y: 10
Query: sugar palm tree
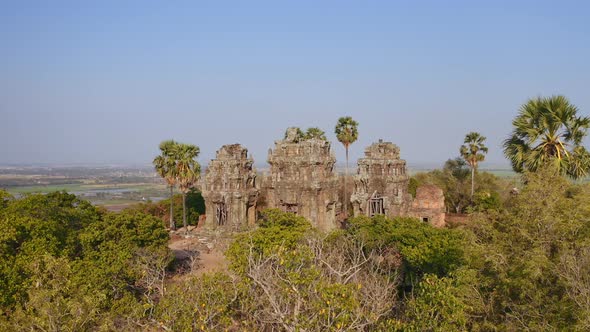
x: 315, y: 132
x: 473, y: 151
x: 188, y: 174
x: 548, y: 131
x: 347, y: 133
x: 165, y: 165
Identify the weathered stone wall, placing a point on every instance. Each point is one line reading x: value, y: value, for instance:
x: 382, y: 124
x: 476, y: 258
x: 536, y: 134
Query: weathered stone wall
x: 429, y: 205
x: 229, y: 189
x: 302, y: 179
x: 381, y: 187
x: 381, y: 182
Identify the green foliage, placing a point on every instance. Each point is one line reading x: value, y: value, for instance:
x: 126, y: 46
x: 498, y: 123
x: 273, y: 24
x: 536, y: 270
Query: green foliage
x: 548, y: 131
x: 346, y: 131
x: 485, y: 200
x: 129, y: 229
x: 187, y: 167
x: 54, y: 302
x: 299, y: 134
x: 310, y: 133
x: 4, y: 198
x: 110, y: 245
x: 166, y: 166
x: 277, y: 229
x: 64, y: 265
x: 474, y: 150
x: 413, y: 186
x: 165, y: 163
x: 436, y: 306
x: 424, y: 249
x: 453, y: 179
x: 458, y: 168
x: 177, y: 164
x: 294, y: 279
x: 34, y: 226
x: 204, y: 303
x: 522, y: 264
x: 195, y: 206
x: 315, y: 133
x: 188, y: 172
x: 519, y: 254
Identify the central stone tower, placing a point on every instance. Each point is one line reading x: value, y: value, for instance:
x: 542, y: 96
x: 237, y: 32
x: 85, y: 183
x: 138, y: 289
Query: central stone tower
x: 302, y: 179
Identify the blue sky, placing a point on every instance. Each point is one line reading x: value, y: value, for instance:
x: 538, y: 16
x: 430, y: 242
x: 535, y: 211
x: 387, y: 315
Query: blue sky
x: 105, y: 82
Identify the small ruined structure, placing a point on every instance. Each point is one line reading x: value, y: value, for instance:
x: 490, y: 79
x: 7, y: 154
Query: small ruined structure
x: 302, y: 179
x: 381, y: 182
x: 381, y: 187
x: 429, y: 205
x: 229, y: 189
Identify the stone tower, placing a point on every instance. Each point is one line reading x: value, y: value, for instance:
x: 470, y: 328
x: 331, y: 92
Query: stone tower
x: 229, y: 189
x: 381, y: 182
x: 302, y: 179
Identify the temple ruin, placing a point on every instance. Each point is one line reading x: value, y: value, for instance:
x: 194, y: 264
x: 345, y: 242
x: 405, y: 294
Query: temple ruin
x: 229, y: 189
x: 302, y: 179
x: 381, y: 182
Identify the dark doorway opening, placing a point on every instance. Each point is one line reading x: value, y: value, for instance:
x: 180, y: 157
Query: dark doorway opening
x: 221, y: 214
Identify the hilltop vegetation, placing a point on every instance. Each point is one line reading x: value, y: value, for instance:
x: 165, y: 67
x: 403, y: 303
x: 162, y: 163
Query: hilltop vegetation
x: 521, y: 262
x: 66, y: 265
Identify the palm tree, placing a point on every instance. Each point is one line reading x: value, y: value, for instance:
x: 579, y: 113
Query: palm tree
x: 473, y: 151
x: 548, y: 131
x: 188, y: 174
x: 347, y: 133
x: 165, y: 165
x: 315, y: 132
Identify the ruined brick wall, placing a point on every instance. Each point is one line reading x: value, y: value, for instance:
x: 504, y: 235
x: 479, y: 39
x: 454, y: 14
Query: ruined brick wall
x: 429, y: 205
x: 302, y: 179
x: 229, y: 189
x: 381, y: 182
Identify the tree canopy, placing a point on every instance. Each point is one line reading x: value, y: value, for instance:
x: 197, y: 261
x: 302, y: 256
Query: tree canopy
x: 346, y: 131
x: 166, y: 166
x: 309, y: 133
x: 473, y: 151
x: 548, y: 130
x: 66, y: 265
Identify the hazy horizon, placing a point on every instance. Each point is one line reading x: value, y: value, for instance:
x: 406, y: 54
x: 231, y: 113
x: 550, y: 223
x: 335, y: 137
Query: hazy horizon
x: 105, y: 82
x: 259, y: 165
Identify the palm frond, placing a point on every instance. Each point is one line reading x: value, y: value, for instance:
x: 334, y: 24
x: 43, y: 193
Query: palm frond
x: 545, y: 131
